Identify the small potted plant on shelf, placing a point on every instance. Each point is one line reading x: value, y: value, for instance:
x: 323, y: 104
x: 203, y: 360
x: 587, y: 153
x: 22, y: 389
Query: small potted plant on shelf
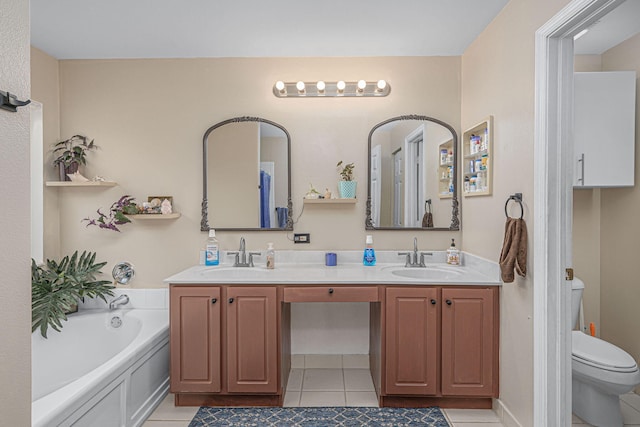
x: 57, y: 287
x: 71, y: 153
x: 126, y: 205
x: 346, y: 185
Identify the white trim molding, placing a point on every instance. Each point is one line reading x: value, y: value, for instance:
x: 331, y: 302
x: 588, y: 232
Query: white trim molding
x: 553, y: 207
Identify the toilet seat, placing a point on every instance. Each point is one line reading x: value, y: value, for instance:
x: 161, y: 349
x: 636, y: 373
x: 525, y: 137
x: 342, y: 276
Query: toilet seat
x: 600, y: 354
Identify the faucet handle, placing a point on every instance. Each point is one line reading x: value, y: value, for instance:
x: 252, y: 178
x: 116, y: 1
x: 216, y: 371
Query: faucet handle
x: 251, y: 254
x: 237, y: 254
x: 407, y: 262
x: 422, y: 254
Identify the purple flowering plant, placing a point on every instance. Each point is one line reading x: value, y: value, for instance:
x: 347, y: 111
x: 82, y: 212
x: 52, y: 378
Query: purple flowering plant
x: 126, y: 205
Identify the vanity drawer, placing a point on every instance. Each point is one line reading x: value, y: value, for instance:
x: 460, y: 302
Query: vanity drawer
x: 331, y: 294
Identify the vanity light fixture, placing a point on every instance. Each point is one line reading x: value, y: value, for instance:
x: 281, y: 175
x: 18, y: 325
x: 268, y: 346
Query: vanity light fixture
x: 320, y: 88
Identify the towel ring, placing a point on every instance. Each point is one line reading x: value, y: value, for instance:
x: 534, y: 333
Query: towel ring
x: 517, y: 197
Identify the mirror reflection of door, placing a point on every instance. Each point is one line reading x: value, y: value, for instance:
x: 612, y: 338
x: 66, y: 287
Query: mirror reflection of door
x: 376, y: 168
x: 414, y: 179
x: 398, y: 187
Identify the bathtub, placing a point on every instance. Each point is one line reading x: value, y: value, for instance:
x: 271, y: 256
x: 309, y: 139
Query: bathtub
x: 105, y: 368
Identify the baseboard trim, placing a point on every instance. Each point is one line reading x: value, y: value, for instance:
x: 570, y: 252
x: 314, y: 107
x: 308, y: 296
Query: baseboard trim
x: 506, y: 417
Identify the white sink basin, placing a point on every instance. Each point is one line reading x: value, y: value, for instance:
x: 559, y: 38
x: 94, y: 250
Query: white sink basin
x: 427, y: 273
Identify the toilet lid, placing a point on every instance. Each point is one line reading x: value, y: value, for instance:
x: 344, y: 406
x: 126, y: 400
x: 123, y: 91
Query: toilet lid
x: 599, y: 353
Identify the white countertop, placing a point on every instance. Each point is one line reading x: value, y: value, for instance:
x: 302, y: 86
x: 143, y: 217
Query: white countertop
x: 307, y: 267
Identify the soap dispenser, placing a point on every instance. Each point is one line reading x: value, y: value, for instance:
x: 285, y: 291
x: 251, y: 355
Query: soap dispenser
x: 271, y: 256
x: 453, y: 254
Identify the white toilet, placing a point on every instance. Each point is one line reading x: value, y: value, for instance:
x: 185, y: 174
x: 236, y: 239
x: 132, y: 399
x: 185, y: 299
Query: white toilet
x: 601, y: 373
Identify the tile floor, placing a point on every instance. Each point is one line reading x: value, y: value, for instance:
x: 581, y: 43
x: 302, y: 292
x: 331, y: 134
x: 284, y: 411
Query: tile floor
x: 344, y: 380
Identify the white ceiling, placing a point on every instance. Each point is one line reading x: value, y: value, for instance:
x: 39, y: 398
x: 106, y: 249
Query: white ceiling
x: 615, y: 27
x: 75, y: 29
x: 91, y: 29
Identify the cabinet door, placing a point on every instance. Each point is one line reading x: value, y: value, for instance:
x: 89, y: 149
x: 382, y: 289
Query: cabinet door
x: 195, y: 339
x: 468, y: 342
x: 411, y: 336
x: 252, y: 340
x: 604, y: 129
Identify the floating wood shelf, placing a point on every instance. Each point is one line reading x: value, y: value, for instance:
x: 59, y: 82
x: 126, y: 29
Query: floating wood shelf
x: 155, y: 216
x: 329, y: 201
x: 81, y: 184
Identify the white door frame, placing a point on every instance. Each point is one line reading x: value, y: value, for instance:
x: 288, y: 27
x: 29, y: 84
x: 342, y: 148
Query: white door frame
x: 376, y: 184
x: 553, y: 196
x: 414, y: 146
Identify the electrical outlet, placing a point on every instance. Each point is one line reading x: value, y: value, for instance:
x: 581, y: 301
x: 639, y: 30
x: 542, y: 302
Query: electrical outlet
x: 302, y: 238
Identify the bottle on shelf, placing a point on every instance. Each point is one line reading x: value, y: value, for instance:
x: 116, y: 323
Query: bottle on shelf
x: 212, y: 249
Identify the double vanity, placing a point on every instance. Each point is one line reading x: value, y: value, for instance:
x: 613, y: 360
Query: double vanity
x: 433, y: 331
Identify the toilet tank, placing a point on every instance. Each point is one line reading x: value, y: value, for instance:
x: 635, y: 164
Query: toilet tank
x: 577, y: 288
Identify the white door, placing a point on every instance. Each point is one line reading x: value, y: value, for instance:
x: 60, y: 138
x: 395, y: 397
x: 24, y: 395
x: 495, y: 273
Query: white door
x: 414, y: 178
x: 376, y: 169
x: 398, y: 187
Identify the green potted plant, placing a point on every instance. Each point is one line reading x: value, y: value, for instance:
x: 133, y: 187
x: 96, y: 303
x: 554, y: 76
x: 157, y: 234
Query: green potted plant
x: 56, y: 288
x: 346, y: 185
x: 71, y: 153
x: 126, y: 205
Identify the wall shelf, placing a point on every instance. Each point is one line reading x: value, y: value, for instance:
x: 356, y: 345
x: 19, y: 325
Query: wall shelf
x: 155, y: 216
x: 81, y: 184
x: 329, y: 201
x: 477, y: 159
x: 445, y: 169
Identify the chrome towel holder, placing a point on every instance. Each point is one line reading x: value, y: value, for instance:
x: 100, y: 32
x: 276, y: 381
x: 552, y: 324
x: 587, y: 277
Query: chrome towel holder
x: 517, y: 197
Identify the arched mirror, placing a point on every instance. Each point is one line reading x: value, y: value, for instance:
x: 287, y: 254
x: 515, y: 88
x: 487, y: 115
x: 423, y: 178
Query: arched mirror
x: 246, y: 176
x: 412, y: 175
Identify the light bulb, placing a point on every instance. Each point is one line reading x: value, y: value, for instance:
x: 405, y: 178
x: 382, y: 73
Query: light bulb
x: 341, y: 85
x: 280, y: 86
x: 361, y: 85
x: 320, y: 85
x: 300, y: 86
x: 381, y: 85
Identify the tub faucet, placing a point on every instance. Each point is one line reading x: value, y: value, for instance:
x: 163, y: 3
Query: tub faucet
x: 412, y: 257
x: 241, y: 255
x: 121, y: 300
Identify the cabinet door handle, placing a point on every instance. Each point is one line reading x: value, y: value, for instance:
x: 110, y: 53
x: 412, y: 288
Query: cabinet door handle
x: 448, y: 302
x: 214, y: 300
x: 433, y: 302
x: 230, y: 300
x: 330, y: 290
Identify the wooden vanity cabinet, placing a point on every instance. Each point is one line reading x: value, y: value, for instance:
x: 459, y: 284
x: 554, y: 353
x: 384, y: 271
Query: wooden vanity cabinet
x: 412, y: 324
x: 252, y: 340
x: 441, y: 342
x: 469, y: 342
x: 223, y: 340
x: 195, y: 339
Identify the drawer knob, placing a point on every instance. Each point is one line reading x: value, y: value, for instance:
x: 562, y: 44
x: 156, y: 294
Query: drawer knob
x: 330, y: 290
x: 230, y: 300
x: 448, y: 302
x: 433, y: 302
x: 214, y: 300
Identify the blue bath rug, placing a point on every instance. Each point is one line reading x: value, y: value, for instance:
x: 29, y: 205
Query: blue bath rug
x: 319, y: 417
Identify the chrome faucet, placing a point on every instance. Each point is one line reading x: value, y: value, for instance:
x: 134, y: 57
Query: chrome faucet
x: 412, y: 257
x: 121, y: 300
x: 241, y: 255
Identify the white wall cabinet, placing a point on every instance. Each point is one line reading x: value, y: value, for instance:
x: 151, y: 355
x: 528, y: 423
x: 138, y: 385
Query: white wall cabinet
x: 604, y: 129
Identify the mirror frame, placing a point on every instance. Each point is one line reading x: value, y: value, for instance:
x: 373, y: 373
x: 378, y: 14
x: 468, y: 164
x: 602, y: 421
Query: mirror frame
x: 204, y: 222
x: 455, y: 208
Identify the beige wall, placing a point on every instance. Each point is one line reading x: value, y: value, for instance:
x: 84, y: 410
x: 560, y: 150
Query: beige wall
x: 620, y: 293
x: 498, y: 79
x: 45, y: 89
x: 15, y: 304
x: 148, y: 117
